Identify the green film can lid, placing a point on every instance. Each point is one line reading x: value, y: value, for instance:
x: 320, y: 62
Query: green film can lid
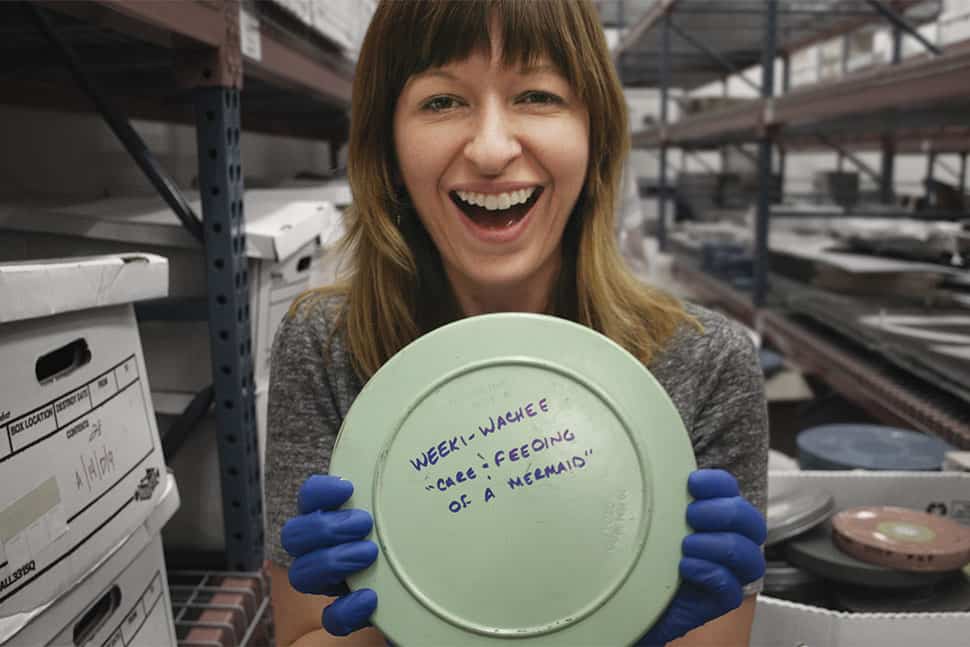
x: 528, y: 482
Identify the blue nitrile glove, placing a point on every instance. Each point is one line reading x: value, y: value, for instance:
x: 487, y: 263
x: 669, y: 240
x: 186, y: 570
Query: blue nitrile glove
x: 719, y: 557
x: 328, y: 545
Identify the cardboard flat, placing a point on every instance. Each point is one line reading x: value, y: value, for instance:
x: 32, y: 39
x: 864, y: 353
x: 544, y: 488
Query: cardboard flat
x: 779, y: 622
x: 80, y: 457
x: 133, y: 578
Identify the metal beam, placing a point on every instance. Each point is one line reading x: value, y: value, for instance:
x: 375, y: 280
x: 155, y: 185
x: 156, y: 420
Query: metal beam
x: 700, y: 160
x: 888, y: 171
x: 664, y: 90
x: 766, y: 186
x: 949, y: 169
x: 714, y: 54
x: 751, y: 157
x: 858, y: 163
x: 120, y: 126
x: 650, y: 18
x: 963, y: 175
x: 230, y: 330
x: 899, y: 22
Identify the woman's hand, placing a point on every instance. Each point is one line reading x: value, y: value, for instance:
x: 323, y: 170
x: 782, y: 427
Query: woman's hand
x: 719, y: 557
x: 328, y: 545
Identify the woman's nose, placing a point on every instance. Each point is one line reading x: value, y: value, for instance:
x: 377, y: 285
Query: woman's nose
x: 494, y: 144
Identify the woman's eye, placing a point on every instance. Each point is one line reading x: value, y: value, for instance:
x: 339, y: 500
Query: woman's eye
x: 440, y: 104
x: 540, y: 98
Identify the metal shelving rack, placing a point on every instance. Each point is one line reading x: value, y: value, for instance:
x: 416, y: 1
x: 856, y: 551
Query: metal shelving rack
x: 183, y: 62
x: 913, y: 106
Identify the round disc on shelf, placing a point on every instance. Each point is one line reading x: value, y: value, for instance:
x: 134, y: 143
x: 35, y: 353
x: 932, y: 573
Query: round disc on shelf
x: 815, y: 552
x: 792, y: 514
x: 871, y: 447
x: 528, y: 482
x: 903, y: 539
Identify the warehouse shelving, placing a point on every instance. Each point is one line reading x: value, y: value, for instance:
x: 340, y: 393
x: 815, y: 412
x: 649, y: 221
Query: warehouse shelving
x: 886, y: 392
x: 188, y: 62
x: 918, y: 105
x: 149, y: 55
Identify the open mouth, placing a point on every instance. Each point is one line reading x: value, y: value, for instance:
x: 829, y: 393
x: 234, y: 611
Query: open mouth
x: 487, y: 212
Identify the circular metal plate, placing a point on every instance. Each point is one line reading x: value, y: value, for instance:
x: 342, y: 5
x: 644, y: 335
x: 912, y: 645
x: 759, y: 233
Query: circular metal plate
x: 790, y: 515
x: 871, y: 447
x: 815, y: 552
x: 903, y: 539
x: 527, y: 478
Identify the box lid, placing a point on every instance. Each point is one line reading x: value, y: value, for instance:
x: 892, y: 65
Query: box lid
x: 278, y: 221
x: 30, y: 289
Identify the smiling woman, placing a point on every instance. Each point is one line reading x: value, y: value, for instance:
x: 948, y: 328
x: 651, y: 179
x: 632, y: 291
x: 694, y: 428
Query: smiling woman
x: 459, y: 107
x: 472, y: 137
x: 486, y: 146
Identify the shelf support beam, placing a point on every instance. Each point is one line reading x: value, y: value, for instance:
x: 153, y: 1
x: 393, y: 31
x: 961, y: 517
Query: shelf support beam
x: 856, y: 161
x: 785, y: 87
x: 766, y: 189
x: 662, y: 171
x: 230, y: 330
x: 899, y: 22
x: 963, y: 175
x: 712, y: 53
x: 887, y: 170
x: 120, y: 126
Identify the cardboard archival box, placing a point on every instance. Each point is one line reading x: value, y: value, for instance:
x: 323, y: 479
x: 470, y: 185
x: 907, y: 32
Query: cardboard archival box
x: 284, y: 230
x: 80, y: 457
x: 124, y: 601
x: 779, y: 623
x: 198, y: 525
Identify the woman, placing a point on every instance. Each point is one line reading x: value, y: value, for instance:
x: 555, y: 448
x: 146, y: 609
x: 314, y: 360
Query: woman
x: 486, y: 147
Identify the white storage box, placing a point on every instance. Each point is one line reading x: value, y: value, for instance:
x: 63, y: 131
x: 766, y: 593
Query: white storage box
x: 123, y: 602
x: 779, y: 623
x: 198, y: 525
x: 283, y: 230
x: 80, y: 457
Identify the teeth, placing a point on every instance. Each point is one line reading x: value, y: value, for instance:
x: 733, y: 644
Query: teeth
x: 494, y: 202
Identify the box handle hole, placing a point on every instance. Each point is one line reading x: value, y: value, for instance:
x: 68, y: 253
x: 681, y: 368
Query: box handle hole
x: 89, y: 625
x: 303, y: 264
x: 64, y: 360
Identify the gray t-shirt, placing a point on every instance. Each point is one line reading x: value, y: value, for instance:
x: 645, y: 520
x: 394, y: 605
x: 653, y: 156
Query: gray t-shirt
x: 713, y: 378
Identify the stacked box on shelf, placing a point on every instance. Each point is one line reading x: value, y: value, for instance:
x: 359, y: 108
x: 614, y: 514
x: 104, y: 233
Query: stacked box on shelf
x: 839, y: 187
x: 124, y: 602
x: 343, y: 21
x: 782, y: 622
x: 282, y: 233
x: 80, y: 455
x: 302, y: 10
x: 332, y: 263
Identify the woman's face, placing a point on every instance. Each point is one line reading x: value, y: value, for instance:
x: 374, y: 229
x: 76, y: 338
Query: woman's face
x: 493, y: 159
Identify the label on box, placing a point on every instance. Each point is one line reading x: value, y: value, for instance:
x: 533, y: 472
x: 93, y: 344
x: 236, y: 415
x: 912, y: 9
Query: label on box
x: 88, y: 440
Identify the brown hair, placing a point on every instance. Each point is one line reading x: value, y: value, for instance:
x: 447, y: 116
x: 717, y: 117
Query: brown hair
x: 397, y: 289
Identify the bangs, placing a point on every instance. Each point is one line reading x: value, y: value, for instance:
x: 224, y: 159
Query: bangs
x: 430, y: 34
